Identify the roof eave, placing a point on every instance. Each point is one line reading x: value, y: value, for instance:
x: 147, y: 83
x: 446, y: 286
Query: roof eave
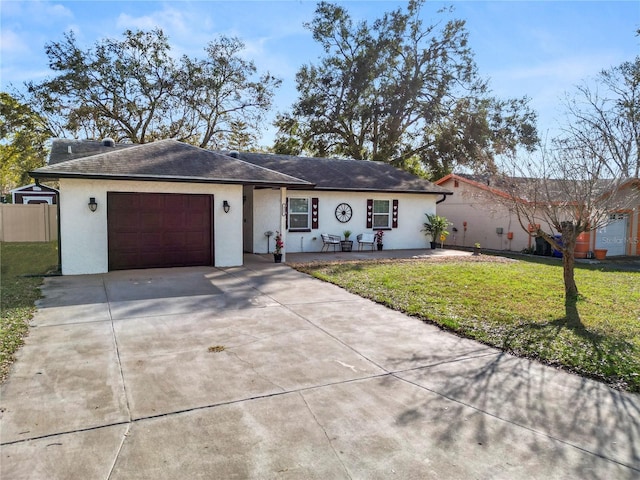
x: 160, y: 178
x: 379, y: 190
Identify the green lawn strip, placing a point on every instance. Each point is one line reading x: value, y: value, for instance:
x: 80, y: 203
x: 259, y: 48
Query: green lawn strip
x: 19, y: 293
x: 516, y: 306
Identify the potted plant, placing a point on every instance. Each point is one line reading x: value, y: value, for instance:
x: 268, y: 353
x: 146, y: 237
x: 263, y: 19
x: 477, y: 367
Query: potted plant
x: 379, y: 235
x: 435, y: 227
x: 600, y: 253
x: 277, y: 253
x: 476, y: 249
x: 346, y: 244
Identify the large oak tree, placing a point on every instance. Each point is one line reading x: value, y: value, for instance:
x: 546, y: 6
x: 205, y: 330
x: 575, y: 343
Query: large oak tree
x: 399, y: 90
x: 133, y: 89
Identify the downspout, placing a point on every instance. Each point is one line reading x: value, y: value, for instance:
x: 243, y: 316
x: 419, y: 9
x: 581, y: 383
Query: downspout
x: 444, y: 197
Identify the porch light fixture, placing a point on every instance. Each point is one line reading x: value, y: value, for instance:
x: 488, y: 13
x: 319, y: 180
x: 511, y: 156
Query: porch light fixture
x: 93, y: 205
x: 225, y: 206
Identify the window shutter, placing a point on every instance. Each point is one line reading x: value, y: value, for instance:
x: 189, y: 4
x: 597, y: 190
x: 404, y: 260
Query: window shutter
x: 370, y: 213
x: 314, y: 213
x: 394, y: 218
x: 286, y: 213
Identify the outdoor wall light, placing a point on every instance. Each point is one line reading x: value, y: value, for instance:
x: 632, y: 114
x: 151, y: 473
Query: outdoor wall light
x: 93, y: 205
x: 225, y: 206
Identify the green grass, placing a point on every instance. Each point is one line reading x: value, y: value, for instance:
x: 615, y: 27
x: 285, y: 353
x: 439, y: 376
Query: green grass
x: 18, y: 293
x: 517, y: 306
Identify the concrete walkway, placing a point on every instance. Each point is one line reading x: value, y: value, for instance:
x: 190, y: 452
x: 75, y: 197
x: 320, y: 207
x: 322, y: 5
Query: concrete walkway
x: 262, y: 372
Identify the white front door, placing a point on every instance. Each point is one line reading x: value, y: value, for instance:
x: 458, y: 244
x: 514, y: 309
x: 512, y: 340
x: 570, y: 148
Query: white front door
x: 613, y: 236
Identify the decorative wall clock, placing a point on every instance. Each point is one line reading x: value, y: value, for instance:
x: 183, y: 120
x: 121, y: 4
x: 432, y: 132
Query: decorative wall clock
x: 343, y: 212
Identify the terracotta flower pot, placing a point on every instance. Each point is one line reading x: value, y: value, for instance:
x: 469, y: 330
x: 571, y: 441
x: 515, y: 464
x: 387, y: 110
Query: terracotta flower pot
x: 600, y: 253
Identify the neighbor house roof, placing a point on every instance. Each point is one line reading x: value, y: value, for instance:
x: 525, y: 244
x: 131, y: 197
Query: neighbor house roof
x: 165, y: 160
x: 557, y: 190
x: 344, y: 174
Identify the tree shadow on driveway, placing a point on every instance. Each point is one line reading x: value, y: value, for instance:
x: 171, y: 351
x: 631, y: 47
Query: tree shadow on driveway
x: 536, y: 405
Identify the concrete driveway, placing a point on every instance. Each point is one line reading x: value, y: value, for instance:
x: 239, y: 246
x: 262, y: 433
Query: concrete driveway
x: 263, y: 372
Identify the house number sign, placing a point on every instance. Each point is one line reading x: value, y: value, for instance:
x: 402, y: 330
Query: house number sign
x: 343, y: 212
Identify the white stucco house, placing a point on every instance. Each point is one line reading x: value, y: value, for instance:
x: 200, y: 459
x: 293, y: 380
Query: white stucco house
x: 166, y: 204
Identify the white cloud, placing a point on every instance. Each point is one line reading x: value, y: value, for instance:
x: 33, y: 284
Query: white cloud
x: 56, y: 11
x: 11, y: 43
x: 187, y: 29
x: 145, y: 22
x: 564, y: 70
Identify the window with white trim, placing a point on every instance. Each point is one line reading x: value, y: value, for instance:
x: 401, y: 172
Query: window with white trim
x: 299, y: 213
x: 381, y: 214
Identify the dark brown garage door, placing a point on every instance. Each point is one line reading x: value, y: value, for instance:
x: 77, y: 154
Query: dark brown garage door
x: 148, y: 230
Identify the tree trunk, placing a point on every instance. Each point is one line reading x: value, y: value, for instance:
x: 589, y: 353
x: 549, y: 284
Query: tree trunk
x: 568, y: 263
x: 568, y: 260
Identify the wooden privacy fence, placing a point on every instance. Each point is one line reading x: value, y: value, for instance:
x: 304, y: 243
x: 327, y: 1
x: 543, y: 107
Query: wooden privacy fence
x: 28, y: 223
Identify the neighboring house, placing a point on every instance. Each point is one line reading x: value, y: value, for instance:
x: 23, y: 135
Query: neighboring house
x: 34, y: 193
x: 167, y: 204
x: 479, y: 215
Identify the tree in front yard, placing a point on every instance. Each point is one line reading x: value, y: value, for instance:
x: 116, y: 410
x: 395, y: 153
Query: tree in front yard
x: 565, y: 192
x: 584, y: 175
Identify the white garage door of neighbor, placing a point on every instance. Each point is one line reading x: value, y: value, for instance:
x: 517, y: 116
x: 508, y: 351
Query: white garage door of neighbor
x: 613, y: 235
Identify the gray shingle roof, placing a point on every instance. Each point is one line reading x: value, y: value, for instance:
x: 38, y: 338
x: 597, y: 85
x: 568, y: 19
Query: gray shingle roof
x: 170, y: 160
x: 343, y: 174
x: 165, y: 160
x: 64, y: 149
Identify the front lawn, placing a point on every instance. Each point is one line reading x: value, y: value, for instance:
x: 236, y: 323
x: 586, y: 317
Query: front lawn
x: 18, y: 293
x: 514, y: 305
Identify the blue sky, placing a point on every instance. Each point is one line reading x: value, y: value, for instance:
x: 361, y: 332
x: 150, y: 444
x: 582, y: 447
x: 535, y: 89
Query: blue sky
x: 540, y: 49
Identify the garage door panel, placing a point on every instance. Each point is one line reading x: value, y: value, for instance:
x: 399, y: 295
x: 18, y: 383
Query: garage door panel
x: 175, y: 240
x: 197, y: 240
x: 159, y: 230
x: 125, y: 258
x: 122, y: 202
x: 196, y: 218
x: 151, y: 202
x: 152, y: 240
x: 126, y: 240
x: 197, y: 204
x: 128, y: 221
x: 175, y: 222
x: 177, y: 205
x: 150, y: 222
x: 152, y: 258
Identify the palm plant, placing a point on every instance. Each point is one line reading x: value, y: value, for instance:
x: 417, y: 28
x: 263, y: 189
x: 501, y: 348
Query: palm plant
x: 436, y: 228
